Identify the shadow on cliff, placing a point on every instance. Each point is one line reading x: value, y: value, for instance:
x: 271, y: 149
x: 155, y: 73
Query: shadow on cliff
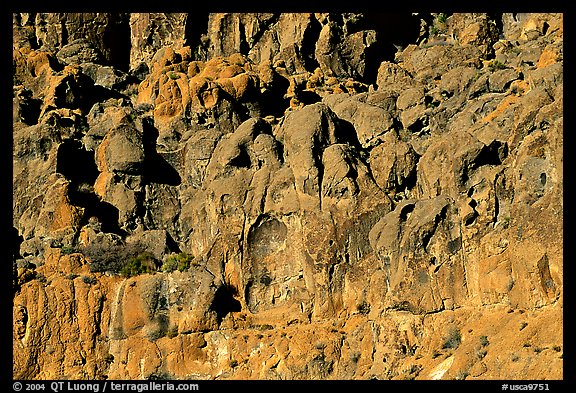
x: 156, y: 168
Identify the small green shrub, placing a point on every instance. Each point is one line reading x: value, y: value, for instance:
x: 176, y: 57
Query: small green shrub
x: 496, y: 65
x: 172, y: 332
x: 363, y: 308
x: 89, y: 280
x: 453, y: 340
x: 42, y: 278
x: 484, y: 341
x: 67, y: 250
x: 481, y: 353
x: 179, y: 262
x: 140, y: 264
x: 461, y: 375
x: 442, y: 18
x: 173, y: 75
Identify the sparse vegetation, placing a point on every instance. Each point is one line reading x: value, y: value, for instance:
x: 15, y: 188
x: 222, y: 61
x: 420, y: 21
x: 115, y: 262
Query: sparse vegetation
x: 363, y: 308
x: 139, y: 264
x: 484, y: 341
x: 495, y: 65
x: 67, y: 250
x: 439, y: 24
x: 172, y: 332
x: 125, y: 259
x: 172, y: 75
x: 453, y: 340
x: 42, y: 278
x: 89, y: 280
x: 481, y: 353
x: 180, y: 262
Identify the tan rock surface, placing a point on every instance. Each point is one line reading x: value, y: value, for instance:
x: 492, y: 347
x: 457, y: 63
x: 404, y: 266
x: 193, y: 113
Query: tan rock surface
x: 286, y: 196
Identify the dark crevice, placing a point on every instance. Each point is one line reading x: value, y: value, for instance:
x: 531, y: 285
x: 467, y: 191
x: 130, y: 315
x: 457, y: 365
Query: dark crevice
x: 406, y: 210
x: 471, y: 218
x: 29, y: 108
x: 15, y: 240
x: 106, y: 213
x: 410, y: 181
x: 156, y: 169
x: 307, y: 97
x: 346, y: 133
x: 418, y: 125
x: 309, y: 40
x: 392, y: 30
x: 244, y: 47
x: 75, y: 163
x: 224, y: 302
x: 171, y: 243
x: 543, y: 179
x: 195, y: 29
x: 497, y: 18
x: 117, y: 39
x: 272, y: 101
x: 242, y: 160
x: 64, y: 33
x: 492, y: 154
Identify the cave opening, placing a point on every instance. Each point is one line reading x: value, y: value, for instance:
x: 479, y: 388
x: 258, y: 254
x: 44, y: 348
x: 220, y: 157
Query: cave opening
x: 224, y: 301
x: 75, y: 163
x: 117, y: 39
x: 195, y: 31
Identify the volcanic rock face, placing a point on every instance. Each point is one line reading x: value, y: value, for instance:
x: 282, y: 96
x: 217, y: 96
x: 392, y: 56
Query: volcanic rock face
x: 288, y: 196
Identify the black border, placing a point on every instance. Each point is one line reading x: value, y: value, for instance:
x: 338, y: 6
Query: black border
x: 568, y: 383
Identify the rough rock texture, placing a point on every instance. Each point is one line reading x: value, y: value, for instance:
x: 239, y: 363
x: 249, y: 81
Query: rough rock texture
x: 288, y: 196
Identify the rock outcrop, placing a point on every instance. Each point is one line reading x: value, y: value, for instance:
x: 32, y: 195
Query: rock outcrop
x: 288, y: 196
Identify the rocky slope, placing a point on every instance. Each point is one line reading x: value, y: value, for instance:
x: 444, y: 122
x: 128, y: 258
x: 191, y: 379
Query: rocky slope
x: 288, y: 196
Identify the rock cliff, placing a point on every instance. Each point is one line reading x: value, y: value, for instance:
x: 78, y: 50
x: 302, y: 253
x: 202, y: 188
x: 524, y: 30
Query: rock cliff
x: 288, y: 196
